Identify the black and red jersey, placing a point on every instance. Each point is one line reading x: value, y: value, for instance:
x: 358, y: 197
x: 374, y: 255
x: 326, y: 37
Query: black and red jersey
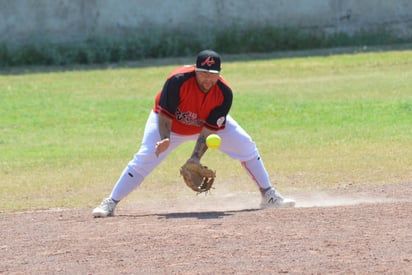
x: 190, y: 108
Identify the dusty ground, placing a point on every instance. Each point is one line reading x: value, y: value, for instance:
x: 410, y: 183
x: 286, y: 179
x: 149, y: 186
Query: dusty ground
x: 354, y: 231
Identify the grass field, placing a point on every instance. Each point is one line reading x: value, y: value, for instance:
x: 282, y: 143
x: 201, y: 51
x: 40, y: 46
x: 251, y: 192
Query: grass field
x: 330, y: 121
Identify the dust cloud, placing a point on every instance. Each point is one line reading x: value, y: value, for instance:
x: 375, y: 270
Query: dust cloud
x: 215, y: 202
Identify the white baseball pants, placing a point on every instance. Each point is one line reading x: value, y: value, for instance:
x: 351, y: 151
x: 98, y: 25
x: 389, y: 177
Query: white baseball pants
x: 236, y: 143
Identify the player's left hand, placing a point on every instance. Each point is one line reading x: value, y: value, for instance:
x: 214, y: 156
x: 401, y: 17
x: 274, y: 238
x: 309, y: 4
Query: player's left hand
x: 197, y: 177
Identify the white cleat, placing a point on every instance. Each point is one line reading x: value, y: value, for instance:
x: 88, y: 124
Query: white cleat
x: 105, y: 209
x: 272, y: 199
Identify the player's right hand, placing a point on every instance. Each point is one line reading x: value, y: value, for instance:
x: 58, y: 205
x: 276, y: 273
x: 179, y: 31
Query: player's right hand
x: 162, y: 146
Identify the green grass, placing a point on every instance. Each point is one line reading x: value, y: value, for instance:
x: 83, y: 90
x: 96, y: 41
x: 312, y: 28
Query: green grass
x: 319, y: 122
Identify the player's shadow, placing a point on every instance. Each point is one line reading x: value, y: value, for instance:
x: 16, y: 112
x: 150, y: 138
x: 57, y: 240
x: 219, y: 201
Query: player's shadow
x: 190, y: 215
x: 202, y: 215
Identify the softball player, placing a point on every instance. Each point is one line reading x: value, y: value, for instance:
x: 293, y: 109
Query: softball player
x: 193, y: 103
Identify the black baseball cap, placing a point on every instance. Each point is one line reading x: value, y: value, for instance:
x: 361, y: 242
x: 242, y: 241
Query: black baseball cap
x: 208, y: 61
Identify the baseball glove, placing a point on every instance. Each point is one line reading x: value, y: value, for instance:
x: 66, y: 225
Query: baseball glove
x: 199, y: 178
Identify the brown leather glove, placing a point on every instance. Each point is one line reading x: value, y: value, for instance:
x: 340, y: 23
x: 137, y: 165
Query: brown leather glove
x: 199, y: 178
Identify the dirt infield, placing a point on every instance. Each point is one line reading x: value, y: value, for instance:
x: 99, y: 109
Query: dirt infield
x: 362, y: 231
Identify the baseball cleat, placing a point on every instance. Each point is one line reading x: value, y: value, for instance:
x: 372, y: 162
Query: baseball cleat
x: 272, y: 199
x: 105, y: 209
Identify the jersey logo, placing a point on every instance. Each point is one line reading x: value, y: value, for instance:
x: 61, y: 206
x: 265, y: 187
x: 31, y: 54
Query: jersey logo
x: 188, y: 118
x: 209, y: 61
x: 220, y: 121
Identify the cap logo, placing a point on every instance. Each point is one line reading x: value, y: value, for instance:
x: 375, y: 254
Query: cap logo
x: 209, y: 61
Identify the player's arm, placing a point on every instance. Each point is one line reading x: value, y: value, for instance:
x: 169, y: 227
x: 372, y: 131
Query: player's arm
x: 200, y: 146
x: 167, y: 104
x: 165, y: 126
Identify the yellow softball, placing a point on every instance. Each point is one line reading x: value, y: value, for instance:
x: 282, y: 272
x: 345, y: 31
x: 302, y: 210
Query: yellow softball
x: 213, y: 141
